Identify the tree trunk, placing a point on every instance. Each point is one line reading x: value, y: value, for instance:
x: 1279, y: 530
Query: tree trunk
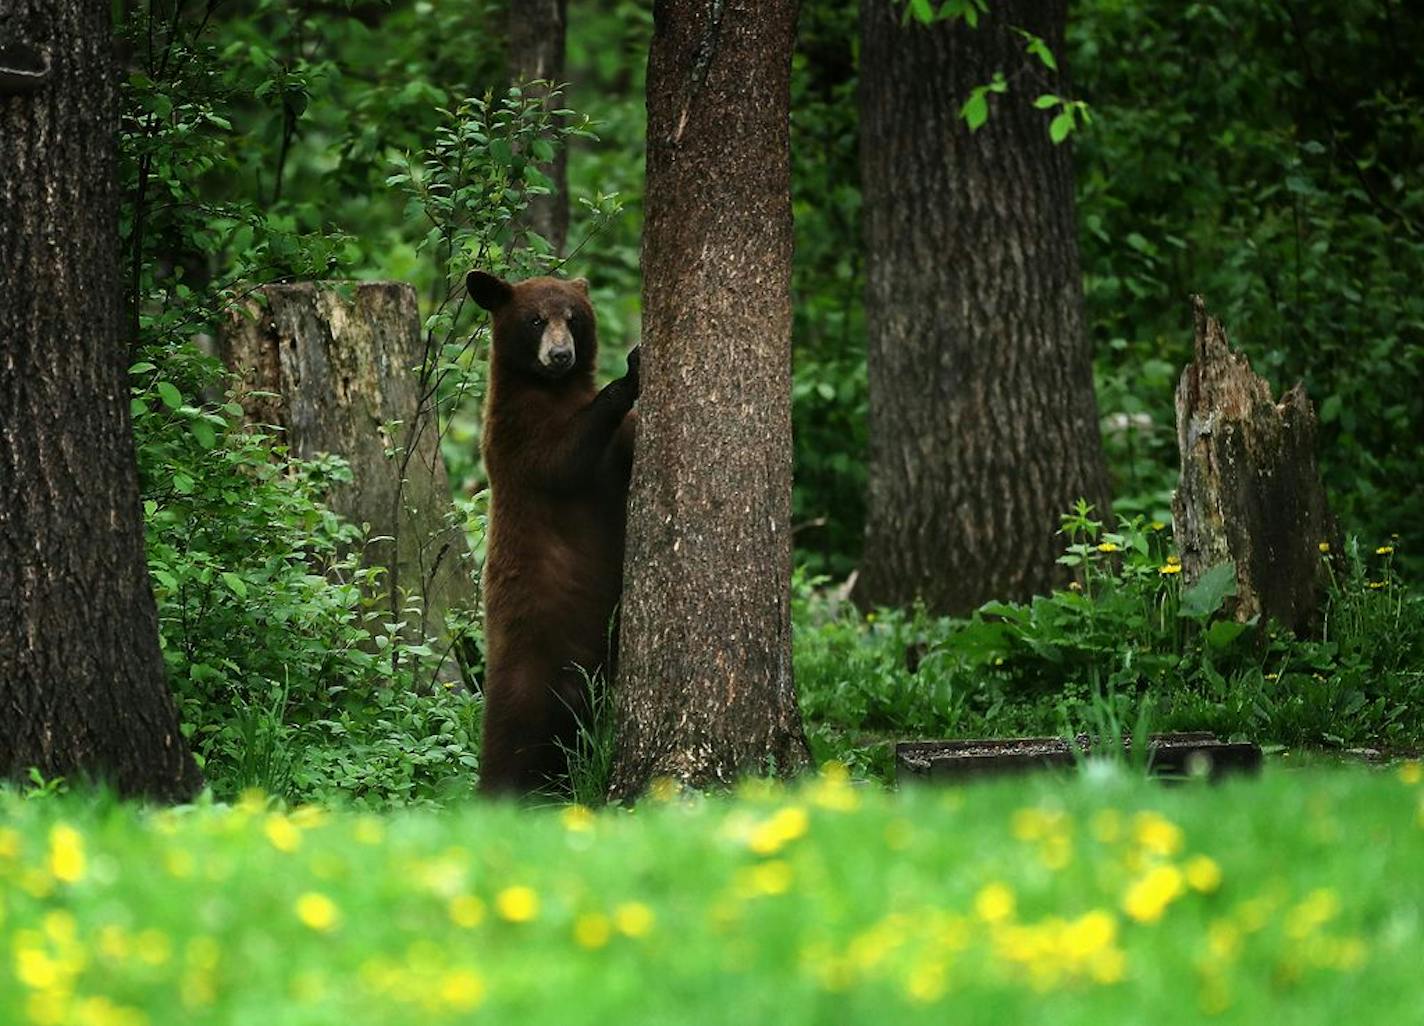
x: 705, y: 689
x: 83, y: 691
x: 536, y: 52
x: 983, y: 422
x: 1250, y: 489
x: 347, y: 376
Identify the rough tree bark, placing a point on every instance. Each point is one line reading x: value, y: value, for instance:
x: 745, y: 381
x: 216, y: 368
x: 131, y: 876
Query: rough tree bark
x: 983, y: 422
x: 344, y: 363
x: 83, y: 692
x: 704, y: 687
x: 1250, y: 489
x: 536, y: 52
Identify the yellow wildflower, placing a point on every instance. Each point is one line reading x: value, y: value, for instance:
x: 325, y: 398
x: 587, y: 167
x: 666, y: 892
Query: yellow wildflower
x: 285, y: 837
x: 66, y: 854
x: 461, y: 989
x: 1313, y: 911
x: 153, y: 947
x: 592, y: 930
x: 1107, y: 546
x: 1158, y: 525
x: 1203, y: 874
x: 35, y: 968
x: 633, y: 919
x: 577, y: 819
x: 1148, y: 897
x: 1169, y: 569
x: 1385, y: 550
x: 517, y: 904
x: 1157, y: 834
x: 466, y: 910
x: 1324, y: 547
x: 926, y: 982
x: 772, y: 834
x: 317, y: 911
x: 994, y: 903
x: 1411, y: 772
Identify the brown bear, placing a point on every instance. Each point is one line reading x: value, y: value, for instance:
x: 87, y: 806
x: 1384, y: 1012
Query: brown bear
x: 558, y: 453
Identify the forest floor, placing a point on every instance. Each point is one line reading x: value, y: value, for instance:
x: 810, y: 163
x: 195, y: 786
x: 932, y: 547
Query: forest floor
x: 1100, y: 897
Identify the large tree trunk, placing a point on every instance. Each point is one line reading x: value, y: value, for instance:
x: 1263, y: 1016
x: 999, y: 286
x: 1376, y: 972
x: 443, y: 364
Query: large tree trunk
x: 346, y: 373
x: 705, y: 689
x: 82, y: 685
x: 536, y: 52
x: 1250, y: 491
x: 983, y: 422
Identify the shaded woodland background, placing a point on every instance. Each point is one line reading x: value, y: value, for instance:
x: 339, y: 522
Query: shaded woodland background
x: 1266, y: 156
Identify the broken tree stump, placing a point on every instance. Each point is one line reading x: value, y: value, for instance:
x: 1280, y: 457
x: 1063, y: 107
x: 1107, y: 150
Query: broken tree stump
x: 343, y: 363
x: 1250, y: 489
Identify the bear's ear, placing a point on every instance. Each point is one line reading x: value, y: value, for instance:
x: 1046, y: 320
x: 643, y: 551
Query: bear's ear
x: 487, y: 290
x: 581, y: 284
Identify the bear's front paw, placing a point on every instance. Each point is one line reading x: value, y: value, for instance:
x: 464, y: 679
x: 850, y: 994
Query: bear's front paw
x: 632, y: 377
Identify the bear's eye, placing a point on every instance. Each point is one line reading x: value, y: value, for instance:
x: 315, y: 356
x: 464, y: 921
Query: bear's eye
x: 537, y: 321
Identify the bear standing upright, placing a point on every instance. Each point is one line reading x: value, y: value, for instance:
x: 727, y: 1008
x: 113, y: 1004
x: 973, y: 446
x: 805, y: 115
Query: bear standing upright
x: 558, y: 453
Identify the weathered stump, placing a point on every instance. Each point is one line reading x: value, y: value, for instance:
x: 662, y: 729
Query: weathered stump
x: 1250, y: 489
x: 343, y: 365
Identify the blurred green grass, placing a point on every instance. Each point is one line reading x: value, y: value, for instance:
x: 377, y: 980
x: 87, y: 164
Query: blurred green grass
x: 1102, y: 898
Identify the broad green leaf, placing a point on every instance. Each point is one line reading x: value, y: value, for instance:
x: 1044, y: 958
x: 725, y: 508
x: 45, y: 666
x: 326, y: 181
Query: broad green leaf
x: 236, y: 583
x: 1061, y: 125
x: 1206, y: 596
x: 975, y: 110
x: 168, y: 392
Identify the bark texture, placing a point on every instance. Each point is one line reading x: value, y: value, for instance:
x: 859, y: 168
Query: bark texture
x: 83, y: 692
x: 344, y: 362
x: 705, y: 690
x: 1250, y: 489
x: 536, y: 52
x: 983, y: 422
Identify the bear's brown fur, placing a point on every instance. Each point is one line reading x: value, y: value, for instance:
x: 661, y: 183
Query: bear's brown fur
x: 558, y: 454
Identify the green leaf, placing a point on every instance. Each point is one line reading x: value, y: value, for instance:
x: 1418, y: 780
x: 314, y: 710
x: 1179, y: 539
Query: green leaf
x: 236, y: 583
x: 975, y: 110
x: 1059, y: 128
x: 1222, y: 633
x: 168, y: 392
x: 1206, y: 596
x: 143, y: 367
x: 1046, y: 100
x: 204, y: 433
x: 1330, y: 409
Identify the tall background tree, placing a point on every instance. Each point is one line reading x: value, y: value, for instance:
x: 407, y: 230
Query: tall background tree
x: 82, y: 683
x: 536, y: 53
x: 983, y: 423
x: 705, y: 688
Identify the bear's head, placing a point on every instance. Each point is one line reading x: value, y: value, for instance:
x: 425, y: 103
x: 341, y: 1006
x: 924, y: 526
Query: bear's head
x: 543, y: 327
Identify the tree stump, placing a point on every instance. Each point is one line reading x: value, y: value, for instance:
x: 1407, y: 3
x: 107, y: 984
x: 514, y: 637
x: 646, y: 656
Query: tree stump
x: 1250, y: 489
x: 342, y: 362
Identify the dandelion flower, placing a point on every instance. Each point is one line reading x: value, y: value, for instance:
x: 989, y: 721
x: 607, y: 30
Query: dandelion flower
x: 466, y: 911
x: 1385, y: 550
x: 461, y: 989
x: 994, y: 903
x: 1202, y: 873
x: 518, y: 904
x: 66, y: 854
x: 1107, y: 547
x: 1324, y: 547
x: 1149, y: 896
x: 317, y: 911
x: 1169, y: 569
x: 633, y: 919
x: 592, y: 931
x: 577, y: 819
x: 1412, y: 772
x: 282, y: 832
x: 1157, y: 834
